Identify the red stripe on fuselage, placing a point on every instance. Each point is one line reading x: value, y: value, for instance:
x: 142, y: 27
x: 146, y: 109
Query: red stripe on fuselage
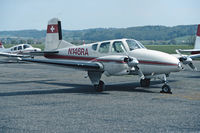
x: 54, y: 56
x: 156, y: 63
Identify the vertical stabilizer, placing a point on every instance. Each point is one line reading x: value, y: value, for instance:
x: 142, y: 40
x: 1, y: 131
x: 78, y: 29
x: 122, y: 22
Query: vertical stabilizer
x: 197, y: 41
x: 54, y: 36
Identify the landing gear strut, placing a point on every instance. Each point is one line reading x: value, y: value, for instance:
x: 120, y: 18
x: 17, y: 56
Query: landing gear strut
x: 100, y: 87
x: 165, y: 88
x: 145, y: 82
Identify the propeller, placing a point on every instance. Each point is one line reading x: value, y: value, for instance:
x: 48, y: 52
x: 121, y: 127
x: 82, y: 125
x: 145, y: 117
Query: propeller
x: 186, y: 60
x: 133, y: 63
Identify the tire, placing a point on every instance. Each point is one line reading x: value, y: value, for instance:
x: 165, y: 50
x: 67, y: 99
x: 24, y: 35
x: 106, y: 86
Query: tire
x: 166, y: 89
x: 145, y: 82
x: 100, y: 87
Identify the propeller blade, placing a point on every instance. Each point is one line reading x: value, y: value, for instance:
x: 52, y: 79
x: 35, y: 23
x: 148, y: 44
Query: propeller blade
x: 192, y: 66
x: 139, y: 72
x: 178, y: 52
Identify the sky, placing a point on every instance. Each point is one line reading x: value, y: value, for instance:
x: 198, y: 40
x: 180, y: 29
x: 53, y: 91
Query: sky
x: 85, y: 14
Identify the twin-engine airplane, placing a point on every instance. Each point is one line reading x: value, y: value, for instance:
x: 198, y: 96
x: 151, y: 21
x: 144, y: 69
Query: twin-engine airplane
x: 112, y: 58
x: 21, y: 50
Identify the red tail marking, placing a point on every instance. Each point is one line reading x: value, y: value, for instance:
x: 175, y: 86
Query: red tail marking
x: 53, y: 28
x: 198, y: 30
x: 1, y: 45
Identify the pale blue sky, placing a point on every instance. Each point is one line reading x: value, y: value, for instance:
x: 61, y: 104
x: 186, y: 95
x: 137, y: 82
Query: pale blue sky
x: 84, y: 14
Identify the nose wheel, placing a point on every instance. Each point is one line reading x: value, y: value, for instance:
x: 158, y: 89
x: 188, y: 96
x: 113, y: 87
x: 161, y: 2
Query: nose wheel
x: 165, y: 88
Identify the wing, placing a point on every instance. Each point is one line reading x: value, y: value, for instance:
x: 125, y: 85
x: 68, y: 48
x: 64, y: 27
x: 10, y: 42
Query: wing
x: 13, y: 55
x: 66, y: 63
x: 194, y: 56
x: 189, y: 50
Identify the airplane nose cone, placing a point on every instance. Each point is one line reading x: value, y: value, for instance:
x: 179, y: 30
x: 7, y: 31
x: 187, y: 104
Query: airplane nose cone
x: 159, y: 61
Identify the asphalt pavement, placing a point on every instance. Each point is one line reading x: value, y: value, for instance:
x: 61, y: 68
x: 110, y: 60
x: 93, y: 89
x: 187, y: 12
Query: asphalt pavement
x: 38, y: 98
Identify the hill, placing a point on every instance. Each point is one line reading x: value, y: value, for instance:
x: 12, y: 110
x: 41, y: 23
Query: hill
x: 146, y: 33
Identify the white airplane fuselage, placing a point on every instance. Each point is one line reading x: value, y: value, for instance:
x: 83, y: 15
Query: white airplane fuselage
x: 151, y: 62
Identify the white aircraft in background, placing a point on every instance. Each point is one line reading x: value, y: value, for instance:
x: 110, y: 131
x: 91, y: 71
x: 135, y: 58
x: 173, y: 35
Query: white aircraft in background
x: 112, y: 58
x: 195, y: 53
x: 21, y: 50
x: 196, y: 49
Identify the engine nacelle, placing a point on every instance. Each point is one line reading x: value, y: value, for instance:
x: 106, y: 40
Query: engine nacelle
x: 114, y: 65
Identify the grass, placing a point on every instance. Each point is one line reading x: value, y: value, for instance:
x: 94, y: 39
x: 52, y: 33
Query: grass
x: 164, y: 48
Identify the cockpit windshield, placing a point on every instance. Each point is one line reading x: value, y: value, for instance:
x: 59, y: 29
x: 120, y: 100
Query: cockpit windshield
x: 26, y: 46
x: 133, y: 44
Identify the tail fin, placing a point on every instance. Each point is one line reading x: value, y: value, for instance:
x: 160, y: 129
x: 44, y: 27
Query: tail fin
x: 197, y: 42
x: 54, y: 36
x: 1, y: 46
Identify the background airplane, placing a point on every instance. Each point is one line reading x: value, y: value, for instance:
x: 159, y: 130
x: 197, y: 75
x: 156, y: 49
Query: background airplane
x: 195, y: 53
x: 196, y: 49
x: 21, y: 50
x: 112, y: 58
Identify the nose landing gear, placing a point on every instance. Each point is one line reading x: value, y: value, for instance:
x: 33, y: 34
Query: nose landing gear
x: 165, y: 88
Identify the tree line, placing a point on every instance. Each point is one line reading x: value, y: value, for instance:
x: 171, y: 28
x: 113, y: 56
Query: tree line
x: 149, y: 33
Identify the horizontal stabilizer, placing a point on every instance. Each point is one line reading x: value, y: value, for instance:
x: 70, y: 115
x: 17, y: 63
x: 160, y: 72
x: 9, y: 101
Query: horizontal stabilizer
x: 194, y: 56
x: 189, y: 50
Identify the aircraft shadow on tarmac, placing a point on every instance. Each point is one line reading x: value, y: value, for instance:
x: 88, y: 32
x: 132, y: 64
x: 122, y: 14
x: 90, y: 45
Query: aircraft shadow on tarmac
x: 195, y: 77
x: 81, y: 88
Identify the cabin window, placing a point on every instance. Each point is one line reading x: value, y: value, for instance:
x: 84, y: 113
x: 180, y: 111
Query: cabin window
x: 118, y: 47
x: 15, y: 48
x: 12, y: 49
x: 104, y: 47
x: 20, y: 48
x: 94, y: 47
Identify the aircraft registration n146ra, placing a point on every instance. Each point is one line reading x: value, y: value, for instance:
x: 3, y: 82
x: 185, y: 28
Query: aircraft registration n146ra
x: 112, y: 58
x: 13, y: 53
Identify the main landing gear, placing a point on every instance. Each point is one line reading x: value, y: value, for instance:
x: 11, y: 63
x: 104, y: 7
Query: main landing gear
x: 95, y: 77
x: 100, y: 87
